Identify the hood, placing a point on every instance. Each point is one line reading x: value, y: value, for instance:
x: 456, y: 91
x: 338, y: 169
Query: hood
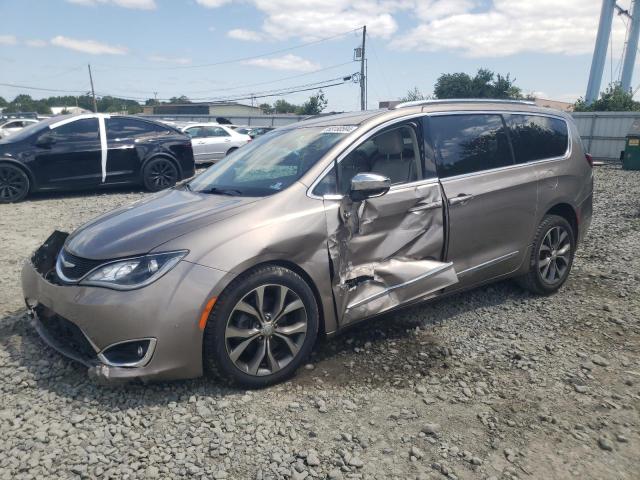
x: 142, y: 226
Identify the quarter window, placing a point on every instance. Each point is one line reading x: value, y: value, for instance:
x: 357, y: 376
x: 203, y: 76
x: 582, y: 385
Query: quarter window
x: 536, y: 137
x: 82, y: 130
x: 469, y: 143
x: 119, y: 127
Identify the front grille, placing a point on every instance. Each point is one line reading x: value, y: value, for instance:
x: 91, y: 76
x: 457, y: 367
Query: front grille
x: 66, y: 336
x: 74, y: 268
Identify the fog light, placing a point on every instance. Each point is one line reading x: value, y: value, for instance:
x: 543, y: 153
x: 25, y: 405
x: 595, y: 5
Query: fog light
x: 131, y: 353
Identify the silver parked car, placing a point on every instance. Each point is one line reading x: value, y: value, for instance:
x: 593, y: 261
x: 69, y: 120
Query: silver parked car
x: 14, y: 125
x: 310, y: 229
x: 212, y: 142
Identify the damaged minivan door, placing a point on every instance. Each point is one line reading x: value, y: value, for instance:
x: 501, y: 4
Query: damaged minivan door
x: 385, y: 221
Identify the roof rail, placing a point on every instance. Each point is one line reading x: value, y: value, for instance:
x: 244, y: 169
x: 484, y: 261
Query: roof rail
x: 417, y: 103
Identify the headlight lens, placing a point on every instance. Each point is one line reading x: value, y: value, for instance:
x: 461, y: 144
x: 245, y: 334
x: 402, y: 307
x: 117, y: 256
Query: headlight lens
x: 132, y: 273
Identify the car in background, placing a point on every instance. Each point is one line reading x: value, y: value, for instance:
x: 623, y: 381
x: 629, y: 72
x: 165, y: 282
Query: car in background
x: 212, y: 142
x: 254, y: 132
x: 91, y: 151
x: 14, y: 125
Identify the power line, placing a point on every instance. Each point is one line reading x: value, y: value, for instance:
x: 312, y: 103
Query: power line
x: 236, y: 60
x: 13, y: 85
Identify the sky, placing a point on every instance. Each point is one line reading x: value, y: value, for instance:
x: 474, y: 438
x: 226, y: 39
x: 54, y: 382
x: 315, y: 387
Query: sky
x: 212, y: 49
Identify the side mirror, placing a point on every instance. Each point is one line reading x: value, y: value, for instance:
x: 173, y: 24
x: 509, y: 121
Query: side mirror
x: 45, y: 140
x: 368, y: 185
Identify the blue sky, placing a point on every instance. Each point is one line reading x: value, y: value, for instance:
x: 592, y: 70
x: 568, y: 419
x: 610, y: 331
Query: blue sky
x: 138, y: 47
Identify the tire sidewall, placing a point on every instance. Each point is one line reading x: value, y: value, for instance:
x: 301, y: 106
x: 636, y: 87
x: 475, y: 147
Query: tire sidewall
x: 145, y: 174
x: 549, y: 222
x: 26, y: 177
x: 215, y: 356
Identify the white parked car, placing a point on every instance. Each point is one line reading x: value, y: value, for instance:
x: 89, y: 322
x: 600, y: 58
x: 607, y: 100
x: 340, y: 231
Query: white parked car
x: 15, y: 125
x: 211, y: 141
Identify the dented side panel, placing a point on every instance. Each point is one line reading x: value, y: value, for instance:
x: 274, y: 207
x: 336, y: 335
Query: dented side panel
x: 386, y: 251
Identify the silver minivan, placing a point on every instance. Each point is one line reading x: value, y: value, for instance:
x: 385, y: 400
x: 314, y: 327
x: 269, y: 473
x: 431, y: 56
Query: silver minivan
x: 312, y: 228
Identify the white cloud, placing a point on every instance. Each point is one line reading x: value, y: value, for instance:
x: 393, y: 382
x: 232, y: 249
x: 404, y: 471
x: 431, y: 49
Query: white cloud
x: 508, y: 27
x: 36, y: 43
x: 88, y: 46
x: 246, y: 35
x: 175, y: 60
x: 212, y: 3
x: 135, y: 4
x: 285, y: 62
x: 8, y: 40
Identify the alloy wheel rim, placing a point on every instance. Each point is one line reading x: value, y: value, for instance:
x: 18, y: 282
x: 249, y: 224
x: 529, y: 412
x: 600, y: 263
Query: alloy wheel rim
x: 163, y: 174
x: 12, y: 183
x: 266, y: 330
x: 554, y: 255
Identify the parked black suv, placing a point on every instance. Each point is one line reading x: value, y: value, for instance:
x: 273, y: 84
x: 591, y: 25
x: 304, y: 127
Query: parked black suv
x: 90, y: 151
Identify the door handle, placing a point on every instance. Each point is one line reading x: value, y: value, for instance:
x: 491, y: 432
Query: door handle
x: 124, y: 147
x: 460, y: 199
x: 227, y: 140
x: 421, y: 207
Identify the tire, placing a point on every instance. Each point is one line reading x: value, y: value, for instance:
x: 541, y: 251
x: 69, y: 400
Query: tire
x: 551, y: 256
x: 253, y: 349
x: 159, y: 173
x: 14, y: 183
x: 230, y: 151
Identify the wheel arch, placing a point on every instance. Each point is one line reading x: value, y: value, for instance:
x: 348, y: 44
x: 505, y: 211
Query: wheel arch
x: 567, y: 212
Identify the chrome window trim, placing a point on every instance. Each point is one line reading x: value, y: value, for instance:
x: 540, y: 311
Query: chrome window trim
x: 359, y: 141
x: 566, y: 155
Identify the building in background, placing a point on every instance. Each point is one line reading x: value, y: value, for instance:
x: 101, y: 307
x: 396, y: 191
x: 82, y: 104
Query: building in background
x: 219, y: 109
x: 64, y: 110
x: 557, y: 104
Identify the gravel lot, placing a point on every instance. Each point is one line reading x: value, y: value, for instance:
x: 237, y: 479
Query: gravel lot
x: 491, y: 384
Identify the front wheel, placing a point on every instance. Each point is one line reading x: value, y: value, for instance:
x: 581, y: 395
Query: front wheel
x: 551, y: 257
x: 159, y: 173
x: 262, y: 328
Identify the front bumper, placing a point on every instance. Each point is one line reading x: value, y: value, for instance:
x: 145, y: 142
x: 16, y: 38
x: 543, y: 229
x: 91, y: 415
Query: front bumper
x: 166, y: 311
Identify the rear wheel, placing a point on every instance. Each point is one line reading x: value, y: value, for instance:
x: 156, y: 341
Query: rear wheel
x: 262, y: 327
x: 14, y: 183
x: 159, y: 173
x: 551, y: 256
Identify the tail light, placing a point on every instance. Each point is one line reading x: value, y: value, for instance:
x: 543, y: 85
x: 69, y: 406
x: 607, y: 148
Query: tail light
x: 589, y: 159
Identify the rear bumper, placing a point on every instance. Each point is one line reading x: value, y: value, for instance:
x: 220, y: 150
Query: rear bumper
x: 83, y: 322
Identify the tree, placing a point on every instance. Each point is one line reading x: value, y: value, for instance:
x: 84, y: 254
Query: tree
x: 485, y: 84
x: 180, y: 99
x: 315, y: 105
x: 24, y: 103
x: 266, y: 108
x: 613, y: 99
x: 413, y: 95
x: 282, y: 106
x: 3, y: 102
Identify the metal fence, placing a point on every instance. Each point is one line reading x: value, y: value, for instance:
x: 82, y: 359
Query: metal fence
x: 603, y: 133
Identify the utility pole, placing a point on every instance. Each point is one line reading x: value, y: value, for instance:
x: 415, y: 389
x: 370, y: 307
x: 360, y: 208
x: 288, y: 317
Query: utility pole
x: 93, y: 93
x: 363, y: 96
x: 632, y: 47
x: 600, y: 51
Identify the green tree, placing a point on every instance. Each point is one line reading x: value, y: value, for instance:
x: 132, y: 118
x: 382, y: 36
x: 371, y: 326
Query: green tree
x: 485, y: 84
x: 413, y: 95
x: 3, y: 102
x: 315, y: 105
x: 24, y: 103
x: 282, y: 106
x: 266, y: 108
x: 180, y: 99
x: 613, y: 99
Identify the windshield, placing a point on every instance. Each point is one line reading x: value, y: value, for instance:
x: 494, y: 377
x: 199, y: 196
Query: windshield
x: 269, y: 164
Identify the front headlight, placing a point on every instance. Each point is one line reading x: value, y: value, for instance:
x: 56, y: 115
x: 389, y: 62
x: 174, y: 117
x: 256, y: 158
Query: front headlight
x: 132, y: 273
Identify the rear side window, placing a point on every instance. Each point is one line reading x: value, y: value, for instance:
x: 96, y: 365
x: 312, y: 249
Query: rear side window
x: 84, y: 129
x: 469, y: 143
x: 128, y: 127
x: 535, y: 137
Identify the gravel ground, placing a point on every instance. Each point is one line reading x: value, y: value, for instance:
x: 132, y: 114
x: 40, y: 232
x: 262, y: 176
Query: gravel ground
x: 490, y: 384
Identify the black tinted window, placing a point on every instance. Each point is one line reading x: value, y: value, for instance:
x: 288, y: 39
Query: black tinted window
x: 79, y: 130
x: 535, y: 137
x: 469, y: 143
x: 129, y: 127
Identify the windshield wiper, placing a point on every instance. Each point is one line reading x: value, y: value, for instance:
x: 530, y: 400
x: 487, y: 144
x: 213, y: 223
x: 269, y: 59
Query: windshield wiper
x: 222, y: 191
